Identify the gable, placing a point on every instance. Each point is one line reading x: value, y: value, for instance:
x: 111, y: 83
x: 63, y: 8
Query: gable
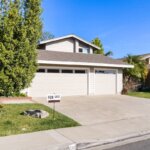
x: 70, y: 37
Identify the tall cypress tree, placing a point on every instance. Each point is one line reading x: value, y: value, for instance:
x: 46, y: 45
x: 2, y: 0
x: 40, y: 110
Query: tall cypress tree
x: 20, y: 30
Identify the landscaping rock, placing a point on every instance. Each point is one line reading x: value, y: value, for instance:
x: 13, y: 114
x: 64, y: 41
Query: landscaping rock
x: 36, y: 113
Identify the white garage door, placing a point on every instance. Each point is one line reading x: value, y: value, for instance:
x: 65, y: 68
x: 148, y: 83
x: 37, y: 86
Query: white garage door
x: 105, y: 82
x: 66, y: 82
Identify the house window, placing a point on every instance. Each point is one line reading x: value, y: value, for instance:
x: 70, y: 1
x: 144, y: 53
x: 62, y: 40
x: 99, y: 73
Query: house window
x: 67, y: 71
x: 53, y: 70
x: 41, y: 70
x: 80, y: 71
x: 80, y: 50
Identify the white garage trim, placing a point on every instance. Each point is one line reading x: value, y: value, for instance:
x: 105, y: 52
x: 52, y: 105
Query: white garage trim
x: 84, y: 64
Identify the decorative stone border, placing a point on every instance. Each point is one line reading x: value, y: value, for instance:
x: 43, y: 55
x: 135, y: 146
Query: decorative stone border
x: 15, y: 98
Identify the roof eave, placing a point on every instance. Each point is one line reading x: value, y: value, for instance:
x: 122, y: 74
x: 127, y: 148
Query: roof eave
x: 68, y: 63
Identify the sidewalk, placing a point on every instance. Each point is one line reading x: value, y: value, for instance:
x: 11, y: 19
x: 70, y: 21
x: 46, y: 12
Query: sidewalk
x: 84, y: 136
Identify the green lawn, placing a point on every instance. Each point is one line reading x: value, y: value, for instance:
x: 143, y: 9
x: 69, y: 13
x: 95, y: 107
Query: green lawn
x: 11, y: 122
x: 140, y: 94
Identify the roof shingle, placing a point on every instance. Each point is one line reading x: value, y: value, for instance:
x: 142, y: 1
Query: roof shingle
x: 77, y: 57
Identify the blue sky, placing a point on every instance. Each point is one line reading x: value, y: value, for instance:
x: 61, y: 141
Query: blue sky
x: 122, y: 25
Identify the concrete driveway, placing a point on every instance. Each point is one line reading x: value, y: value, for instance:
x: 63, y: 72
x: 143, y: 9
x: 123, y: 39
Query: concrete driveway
x: 90, y: 110
x: 104, y: 119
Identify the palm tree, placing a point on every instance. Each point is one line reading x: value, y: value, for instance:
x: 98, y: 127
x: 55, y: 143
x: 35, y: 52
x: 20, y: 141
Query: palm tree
x: 134, y: 75
x: 109, y: 53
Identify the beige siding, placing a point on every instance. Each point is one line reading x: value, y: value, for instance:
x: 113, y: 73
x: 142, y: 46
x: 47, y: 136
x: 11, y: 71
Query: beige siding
x: 66, y: 45
x: 61, y: 83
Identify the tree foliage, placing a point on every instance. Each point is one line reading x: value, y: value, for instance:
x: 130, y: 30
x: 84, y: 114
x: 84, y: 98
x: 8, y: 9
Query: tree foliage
x: 109, y: 53
x: 20, y: 30
x: 46, y: 36
x: 137, y: 74
x: 101, y: 50
x: 98, y: 43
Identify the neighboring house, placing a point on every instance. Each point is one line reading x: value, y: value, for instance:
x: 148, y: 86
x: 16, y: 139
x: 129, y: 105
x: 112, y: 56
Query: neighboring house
x: 67, y: 66
x: 146, y: 57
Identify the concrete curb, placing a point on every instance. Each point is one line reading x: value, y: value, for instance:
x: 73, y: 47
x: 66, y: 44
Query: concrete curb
x: 81, y: 146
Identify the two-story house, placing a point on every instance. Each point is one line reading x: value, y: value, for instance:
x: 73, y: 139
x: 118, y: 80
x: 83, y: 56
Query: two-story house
x: 68, y: 66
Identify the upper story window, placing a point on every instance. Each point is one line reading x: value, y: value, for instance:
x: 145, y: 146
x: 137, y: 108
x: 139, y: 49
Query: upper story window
x: 84, y: 50
x: 80, y: 50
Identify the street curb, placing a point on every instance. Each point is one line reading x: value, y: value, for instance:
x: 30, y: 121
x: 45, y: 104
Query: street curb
x: 81, y: 146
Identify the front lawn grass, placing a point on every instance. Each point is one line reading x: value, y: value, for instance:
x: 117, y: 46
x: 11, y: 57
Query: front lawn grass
x: 140, y: 94
x: 11, y: 122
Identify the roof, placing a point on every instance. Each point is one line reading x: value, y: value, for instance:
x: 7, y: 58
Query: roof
x: 53, y: 57
x: 142, y: 56
x: 145, y: 56
x: 69, y: 36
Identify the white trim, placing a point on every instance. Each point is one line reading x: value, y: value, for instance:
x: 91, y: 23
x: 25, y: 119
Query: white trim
x: 116, y: 81
x: 83, y: 64
x: 69, y: 36
x: 62, y: 67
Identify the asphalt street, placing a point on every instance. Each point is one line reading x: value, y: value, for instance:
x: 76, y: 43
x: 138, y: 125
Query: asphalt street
x: 140, y: 145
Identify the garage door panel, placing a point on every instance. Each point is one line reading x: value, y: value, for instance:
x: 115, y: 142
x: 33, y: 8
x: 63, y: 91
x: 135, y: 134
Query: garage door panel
x: 63, y: 83
x: 105, y: 83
